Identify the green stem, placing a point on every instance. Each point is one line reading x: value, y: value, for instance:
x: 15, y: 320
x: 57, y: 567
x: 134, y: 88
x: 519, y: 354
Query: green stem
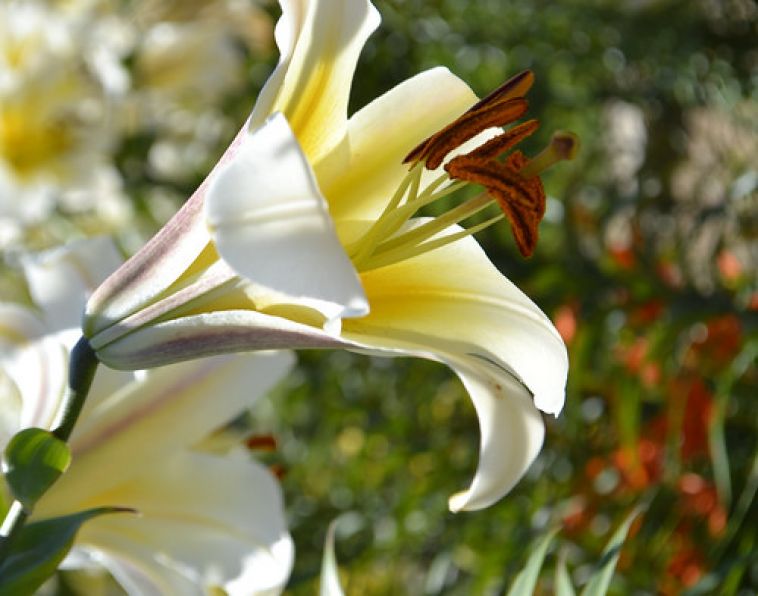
x: 12, y: 524
x: 81, y: 370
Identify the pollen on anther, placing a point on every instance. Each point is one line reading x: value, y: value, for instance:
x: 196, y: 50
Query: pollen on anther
x: 436, y: 148
x: 521, y: 200
x: 498, y: 145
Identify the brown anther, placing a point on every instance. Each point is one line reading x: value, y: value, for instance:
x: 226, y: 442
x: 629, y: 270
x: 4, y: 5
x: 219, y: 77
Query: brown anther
x: 517, y: 86
x: 504, y: 105
x: 434, y: 150
x: 521, y: 200
x: 261, y: 443
x: 498, y: 145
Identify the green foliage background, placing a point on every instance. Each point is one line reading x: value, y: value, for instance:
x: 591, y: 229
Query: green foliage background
x: 646, y: 263
x: 383, y: 444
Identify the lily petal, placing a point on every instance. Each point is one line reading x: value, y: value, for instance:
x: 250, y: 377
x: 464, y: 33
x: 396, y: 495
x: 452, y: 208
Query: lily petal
x: 320, y: 42
x: 329, y: 584
x: 18, y: 325
x: 473, y: 307
x: 204, y: 521
x: 159, y: 264
x: 213, y: 333
x: 512, y: 432
x: 39, y: 370
x: 168, y: 410
x: 381, y: 134
x: 502, y: 346
x: 61, y: 279
x: 270, y: 223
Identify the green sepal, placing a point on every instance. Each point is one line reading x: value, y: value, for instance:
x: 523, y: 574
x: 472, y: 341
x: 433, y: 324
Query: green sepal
x: 33, y: 460
x: 40, y: 547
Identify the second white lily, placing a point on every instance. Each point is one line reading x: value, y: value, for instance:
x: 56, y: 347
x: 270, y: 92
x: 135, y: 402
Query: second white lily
x: 203, y: 520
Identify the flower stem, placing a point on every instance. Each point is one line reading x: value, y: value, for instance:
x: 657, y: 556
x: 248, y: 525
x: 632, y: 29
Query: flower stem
x: 12, y: 524
x: 81, y: 370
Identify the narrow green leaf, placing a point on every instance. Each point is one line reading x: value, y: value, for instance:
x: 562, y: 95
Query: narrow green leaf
x: 330, y: 579
x: 601, y: 579
x: 34, y: 459
x: 39, y: 549
x: 526, y: 580
x: 563, y: 585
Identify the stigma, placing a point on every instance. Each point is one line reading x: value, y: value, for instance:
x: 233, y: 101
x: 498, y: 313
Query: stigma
x: 509, y: 180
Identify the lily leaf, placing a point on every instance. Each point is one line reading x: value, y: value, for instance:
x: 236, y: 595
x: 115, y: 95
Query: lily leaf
x: 330, y: 579
x: 563, y: 586
x: 526, y: 580
x: 601, y: 579
x: 33, y: 460
x: 40, y: 547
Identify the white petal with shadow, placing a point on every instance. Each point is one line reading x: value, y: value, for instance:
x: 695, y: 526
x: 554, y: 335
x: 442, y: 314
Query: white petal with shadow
x: 270, y: 223
x: 204, y: 520
x: 173, y: 407
x: 454, y: 306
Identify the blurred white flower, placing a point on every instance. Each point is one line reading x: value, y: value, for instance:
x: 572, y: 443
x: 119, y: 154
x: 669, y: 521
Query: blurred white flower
x: 205, y: 520
x: 79, y: 78
x: 55, y: 131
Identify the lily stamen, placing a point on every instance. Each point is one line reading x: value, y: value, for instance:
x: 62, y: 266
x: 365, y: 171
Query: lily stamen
x: 403, y: 253
x: 438, y: 224
x: 513, y: 184
x: 563, y: 146
x: 397, y: 212
x: 361, y: 249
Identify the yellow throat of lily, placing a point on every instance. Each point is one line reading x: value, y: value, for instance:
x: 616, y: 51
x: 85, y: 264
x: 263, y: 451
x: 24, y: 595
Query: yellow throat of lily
x: 513, y: 183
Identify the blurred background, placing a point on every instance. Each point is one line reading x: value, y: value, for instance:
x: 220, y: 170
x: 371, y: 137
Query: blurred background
x: 112, y: 112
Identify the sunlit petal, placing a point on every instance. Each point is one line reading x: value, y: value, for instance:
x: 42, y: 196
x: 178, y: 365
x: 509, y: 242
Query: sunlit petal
x: 270, y: 223
x: 162, y: 262
x: 504, y: 349
x: 173, y: 407
x: 381, y: 134
x: 454, y: 295
x: 511, y: 436
x: 215, y: 521
x: 320, y: 42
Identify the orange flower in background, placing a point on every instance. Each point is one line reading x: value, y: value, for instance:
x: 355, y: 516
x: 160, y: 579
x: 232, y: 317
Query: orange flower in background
x: 723, y: 341
x: 640, y: 467
x: 565, y: 321
x: 699, y: 500
x: 698, y: 413
x: 684, y: 570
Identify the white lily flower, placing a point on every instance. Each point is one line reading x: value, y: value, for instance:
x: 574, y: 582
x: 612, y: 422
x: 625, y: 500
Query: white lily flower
x: 204, y: 520
x: 55, y: 138
x: 303, y: 236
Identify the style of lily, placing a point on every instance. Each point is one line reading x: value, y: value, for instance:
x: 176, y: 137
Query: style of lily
x: 306, y: 234
x: 203, y: 519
